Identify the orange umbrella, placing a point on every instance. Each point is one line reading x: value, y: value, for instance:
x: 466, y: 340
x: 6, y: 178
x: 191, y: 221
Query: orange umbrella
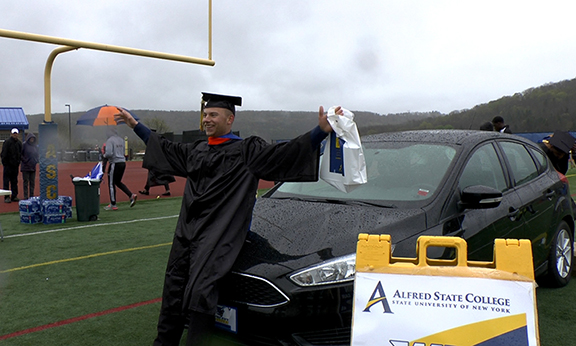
x: 101, y: 116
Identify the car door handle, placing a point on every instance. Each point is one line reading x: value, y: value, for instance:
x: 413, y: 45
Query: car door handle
x: 513, y: 213
x: 550, y: 194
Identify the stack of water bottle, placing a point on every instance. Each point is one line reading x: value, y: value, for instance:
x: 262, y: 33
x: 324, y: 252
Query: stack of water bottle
x: 47, y: 211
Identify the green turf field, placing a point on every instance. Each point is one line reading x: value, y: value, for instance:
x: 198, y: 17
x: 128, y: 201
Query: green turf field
x: 82, y: 268
x: 99, y: 283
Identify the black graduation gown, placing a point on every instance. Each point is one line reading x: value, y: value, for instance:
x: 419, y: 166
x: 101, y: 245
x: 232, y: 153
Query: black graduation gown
x: 219, y: 196
x: 156, y: 179
x: 561, y: 165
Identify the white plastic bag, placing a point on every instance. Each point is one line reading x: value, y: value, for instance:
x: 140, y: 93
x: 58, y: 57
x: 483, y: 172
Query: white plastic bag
x: 343, y: 164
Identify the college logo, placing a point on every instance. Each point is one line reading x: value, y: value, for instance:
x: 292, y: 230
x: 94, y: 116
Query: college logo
x: 378, y: 296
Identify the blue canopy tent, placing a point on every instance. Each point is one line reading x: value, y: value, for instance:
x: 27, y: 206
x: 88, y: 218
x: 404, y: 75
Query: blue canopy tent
x: 13, y: 117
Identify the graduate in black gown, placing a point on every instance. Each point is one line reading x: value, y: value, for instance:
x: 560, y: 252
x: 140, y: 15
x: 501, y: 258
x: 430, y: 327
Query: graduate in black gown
x: 557, y: 147
x: 222, y: 177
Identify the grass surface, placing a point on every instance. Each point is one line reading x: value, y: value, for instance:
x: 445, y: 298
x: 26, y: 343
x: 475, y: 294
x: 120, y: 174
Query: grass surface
x: 77, y: 283
x: 84, y: 268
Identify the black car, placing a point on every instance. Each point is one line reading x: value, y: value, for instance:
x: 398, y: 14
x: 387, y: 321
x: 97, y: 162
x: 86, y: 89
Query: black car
x: 293, y: 281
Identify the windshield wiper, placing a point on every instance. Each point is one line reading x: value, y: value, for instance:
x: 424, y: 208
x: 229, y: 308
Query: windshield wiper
x: 359, y: 202
x: 339, y: 201
x: 300, y: 199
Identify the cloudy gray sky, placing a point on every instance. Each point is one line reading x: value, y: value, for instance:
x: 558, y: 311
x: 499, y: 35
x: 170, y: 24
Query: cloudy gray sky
x: 372, y: 55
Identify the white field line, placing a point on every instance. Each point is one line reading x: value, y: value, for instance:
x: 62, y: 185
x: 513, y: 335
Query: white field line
x: 87, y: 226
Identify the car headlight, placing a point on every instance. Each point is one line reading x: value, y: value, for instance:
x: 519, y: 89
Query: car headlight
x: 337, y: 270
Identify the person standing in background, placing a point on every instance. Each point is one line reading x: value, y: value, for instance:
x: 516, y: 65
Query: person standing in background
x: 11, y: 156
x: 499, y: 125
x: 114, y: 153
x: 156, y: 179
x: 30, y: 159
x: 487, y: 126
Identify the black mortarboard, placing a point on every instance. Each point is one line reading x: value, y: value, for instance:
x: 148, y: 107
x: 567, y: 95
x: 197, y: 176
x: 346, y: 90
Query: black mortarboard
x: 563, y: 141
x: 221, y: 101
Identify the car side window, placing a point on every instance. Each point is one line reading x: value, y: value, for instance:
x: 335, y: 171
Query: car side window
x: 540, y: 158
x: 523, y: 167
x: 483, y: 168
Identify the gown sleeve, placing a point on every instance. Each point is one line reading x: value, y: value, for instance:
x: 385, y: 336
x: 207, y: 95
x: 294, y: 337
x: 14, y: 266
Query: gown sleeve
x: 296, y: 160
x: 166, y: 157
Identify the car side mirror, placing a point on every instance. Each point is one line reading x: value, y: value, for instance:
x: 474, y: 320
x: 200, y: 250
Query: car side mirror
x: 480, y: 197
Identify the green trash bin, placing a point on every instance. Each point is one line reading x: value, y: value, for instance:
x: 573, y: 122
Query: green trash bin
x: 87, y: 193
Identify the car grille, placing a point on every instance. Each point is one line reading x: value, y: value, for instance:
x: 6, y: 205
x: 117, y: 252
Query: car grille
x: 252, y: 290
x: 332, y: 337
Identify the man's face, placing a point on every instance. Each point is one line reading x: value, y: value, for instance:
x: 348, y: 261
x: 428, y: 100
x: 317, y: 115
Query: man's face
x: 14, y: 135
x: 498, y: 126
x: 217, y: 121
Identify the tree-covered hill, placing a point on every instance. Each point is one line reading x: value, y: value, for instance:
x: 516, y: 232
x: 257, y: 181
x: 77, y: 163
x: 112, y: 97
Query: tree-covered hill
x: 543, y: 109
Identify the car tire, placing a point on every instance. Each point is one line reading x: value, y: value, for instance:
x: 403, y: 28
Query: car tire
x: 560, y: 258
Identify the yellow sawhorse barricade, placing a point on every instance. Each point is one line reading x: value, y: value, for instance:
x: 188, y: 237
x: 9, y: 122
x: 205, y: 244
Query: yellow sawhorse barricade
x: 431, y: 302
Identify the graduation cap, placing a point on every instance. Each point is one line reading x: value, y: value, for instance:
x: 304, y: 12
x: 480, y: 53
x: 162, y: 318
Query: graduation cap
x: 221, y: 101
x: 563, y: 141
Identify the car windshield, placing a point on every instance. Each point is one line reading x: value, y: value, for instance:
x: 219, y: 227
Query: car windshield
x: 397, y: 172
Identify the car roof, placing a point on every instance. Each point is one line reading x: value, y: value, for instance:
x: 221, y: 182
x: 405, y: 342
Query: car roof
x: 439, y: 136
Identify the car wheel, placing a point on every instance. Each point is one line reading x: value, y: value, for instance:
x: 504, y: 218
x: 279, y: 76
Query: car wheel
x: 560, y: 257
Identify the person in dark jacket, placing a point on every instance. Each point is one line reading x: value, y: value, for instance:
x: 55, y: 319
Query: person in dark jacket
x: 500, y: 126
x: 222, y: 177
x: 155, y: 179
x: 11, y: 157
x: 28, y: 166
x: 487, y: 126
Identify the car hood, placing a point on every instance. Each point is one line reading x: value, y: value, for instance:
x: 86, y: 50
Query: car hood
x: 286, y: 235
